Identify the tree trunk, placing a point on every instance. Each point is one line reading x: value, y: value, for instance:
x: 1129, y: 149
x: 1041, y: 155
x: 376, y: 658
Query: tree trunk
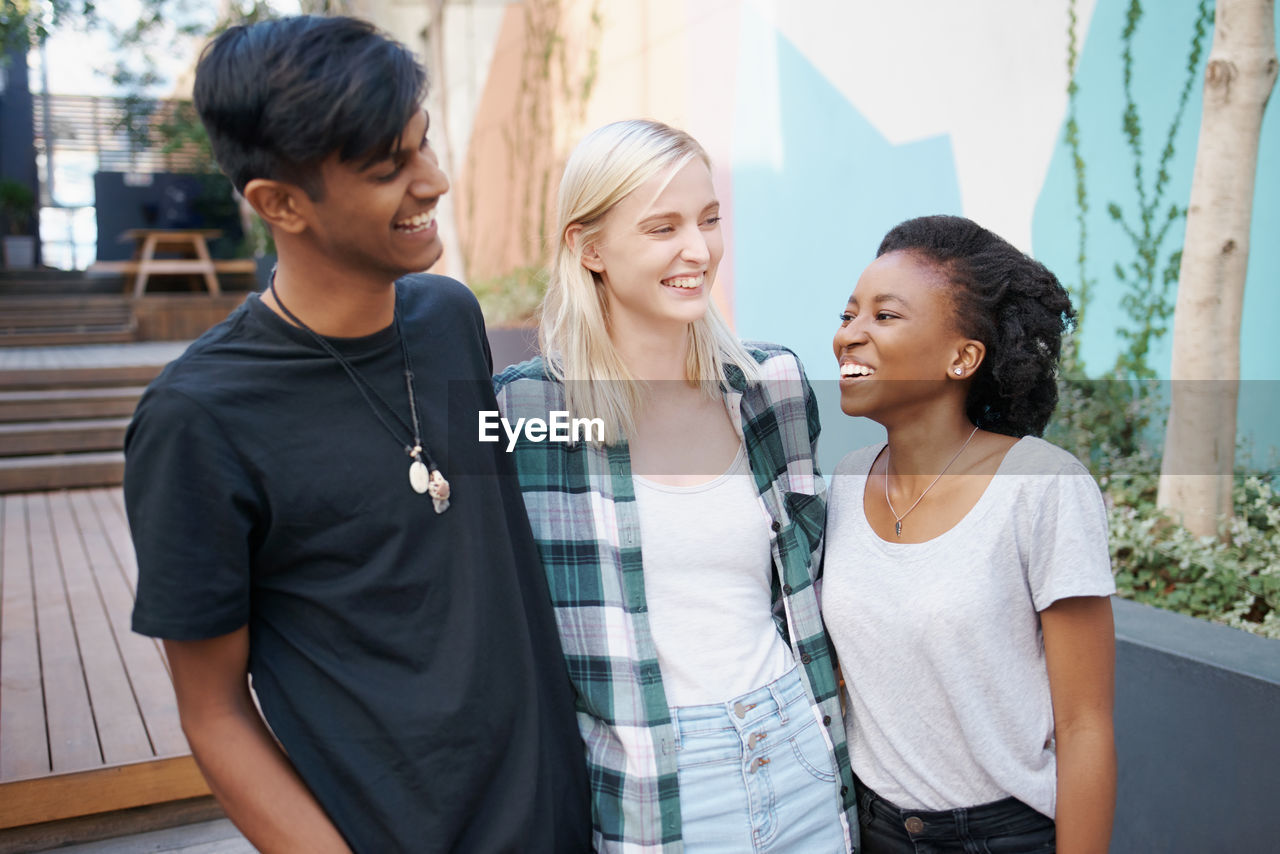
x: 1199, y: 453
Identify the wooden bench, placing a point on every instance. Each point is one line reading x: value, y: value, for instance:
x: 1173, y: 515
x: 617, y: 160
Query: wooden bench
x: 191, y: 243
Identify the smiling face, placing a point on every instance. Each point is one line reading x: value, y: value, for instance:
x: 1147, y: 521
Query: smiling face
x: 898, y: 344
x: 377, y: 219
x: 658, y: 251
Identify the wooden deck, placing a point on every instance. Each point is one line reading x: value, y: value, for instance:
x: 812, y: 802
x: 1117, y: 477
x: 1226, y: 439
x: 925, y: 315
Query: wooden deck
x: 88, y: 721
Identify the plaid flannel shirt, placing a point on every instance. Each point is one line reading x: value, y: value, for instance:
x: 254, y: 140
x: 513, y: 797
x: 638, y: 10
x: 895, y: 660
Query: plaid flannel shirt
x: 581, y: 503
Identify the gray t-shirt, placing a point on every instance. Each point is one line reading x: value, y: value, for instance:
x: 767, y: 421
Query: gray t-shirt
x: 940, y: 641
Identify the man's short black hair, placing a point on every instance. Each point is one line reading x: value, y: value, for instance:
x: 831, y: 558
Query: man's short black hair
x: 280, y: 96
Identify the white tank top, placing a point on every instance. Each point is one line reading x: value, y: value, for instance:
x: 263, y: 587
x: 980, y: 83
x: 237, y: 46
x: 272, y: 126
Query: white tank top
x: 707, y: 573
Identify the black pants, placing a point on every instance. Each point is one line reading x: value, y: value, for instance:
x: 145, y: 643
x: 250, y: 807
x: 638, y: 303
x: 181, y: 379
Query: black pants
x: 1001, y: 827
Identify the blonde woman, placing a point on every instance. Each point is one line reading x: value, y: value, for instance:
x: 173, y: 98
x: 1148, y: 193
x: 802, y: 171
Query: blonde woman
x: 682, y: 550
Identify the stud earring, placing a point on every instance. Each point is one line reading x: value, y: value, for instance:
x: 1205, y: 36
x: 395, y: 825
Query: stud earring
x: 959, y: 371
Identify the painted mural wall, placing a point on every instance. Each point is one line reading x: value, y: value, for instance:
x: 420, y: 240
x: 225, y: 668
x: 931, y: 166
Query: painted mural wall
x: 831, y: 120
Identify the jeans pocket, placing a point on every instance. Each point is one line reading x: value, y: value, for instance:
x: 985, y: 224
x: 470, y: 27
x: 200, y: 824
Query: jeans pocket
x: 811, y: 752
x: 1041, y: 841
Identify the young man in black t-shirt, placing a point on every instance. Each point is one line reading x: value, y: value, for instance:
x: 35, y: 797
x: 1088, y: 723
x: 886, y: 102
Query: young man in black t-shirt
x: 311, y: 506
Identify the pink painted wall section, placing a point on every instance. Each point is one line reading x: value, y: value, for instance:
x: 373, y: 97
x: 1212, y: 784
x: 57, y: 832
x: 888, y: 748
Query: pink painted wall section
x: 483, y: 189
x: 711, y: 47
x: 669, y: 60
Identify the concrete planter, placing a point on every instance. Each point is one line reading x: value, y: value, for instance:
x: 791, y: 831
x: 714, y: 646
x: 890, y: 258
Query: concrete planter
x: 19, y: 251
x: 1197, y: 735
x: 511, y: 345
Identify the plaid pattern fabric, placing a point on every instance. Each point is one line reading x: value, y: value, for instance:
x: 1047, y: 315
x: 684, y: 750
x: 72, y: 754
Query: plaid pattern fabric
x: 581, y: 503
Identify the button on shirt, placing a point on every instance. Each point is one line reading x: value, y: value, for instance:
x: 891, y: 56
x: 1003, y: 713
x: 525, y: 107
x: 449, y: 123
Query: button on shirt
x: 581, y: 503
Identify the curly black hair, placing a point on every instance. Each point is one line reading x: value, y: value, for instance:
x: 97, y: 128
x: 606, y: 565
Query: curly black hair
x: 1008, y: 301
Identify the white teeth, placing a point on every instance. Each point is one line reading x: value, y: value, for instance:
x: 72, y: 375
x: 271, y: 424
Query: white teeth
x: 417, y: 222
x: 687, y: 282
x: 849, y: 369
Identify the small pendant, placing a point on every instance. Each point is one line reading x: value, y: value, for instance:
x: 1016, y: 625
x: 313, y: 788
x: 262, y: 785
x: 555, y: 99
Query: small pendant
x: 418, y: 477
x: 897, y: 527
x: 439, y: 489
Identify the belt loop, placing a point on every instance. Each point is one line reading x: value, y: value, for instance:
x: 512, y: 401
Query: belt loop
x: 775, y: 690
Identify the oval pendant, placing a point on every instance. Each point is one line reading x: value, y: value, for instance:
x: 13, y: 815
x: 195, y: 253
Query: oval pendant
x: 418, y: 477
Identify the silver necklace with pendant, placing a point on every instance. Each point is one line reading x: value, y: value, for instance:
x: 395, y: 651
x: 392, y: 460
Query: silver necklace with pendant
x: 424, y: 474
x: 897, y: 520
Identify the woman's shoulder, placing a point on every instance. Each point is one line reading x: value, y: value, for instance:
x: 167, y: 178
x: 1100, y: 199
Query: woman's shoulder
x: 528, y: 387
x: 780, y: 374
x: 765, y: 352
x: 1032, y: 455
x: 531, y: 371
x: 858, y: 463
x: 1049, y: 480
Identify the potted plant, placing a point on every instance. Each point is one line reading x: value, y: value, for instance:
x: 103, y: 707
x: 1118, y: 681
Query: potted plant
x: 510, y: 302
x: 18, y: 207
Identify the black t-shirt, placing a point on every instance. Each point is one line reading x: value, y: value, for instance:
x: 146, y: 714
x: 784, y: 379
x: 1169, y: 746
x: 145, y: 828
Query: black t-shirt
x: 407, y: 661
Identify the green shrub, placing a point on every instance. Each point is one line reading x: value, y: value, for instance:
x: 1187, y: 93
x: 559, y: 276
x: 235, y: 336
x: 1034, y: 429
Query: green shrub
x: 1233, y: 580
x: 512, y: 298
x: 1115, y: 427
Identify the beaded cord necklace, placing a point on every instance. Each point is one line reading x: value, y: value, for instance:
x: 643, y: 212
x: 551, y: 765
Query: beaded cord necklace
x: 424, y: 474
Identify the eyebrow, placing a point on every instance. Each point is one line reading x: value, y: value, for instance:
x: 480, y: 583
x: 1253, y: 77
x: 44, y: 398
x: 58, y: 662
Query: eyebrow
x: 380, y: 159
x: 882, y: 298
x: 397, y: 149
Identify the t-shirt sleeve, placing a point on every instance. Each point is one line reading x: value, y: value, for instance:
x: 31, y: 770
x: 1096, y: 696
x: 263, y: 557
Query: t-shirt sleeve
x: 1069, y: 555
x: 191, y: 508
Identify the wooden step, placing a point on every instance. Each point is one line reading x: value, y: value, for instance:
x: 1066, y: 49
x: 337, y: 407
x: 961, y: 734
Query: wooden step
x: 45, y: 283
x: 41, y: 338
x: 53, y: 319
x: 61, y: 471
x: 70, y: 302
x: 27, y: 321
x: 51, y: 404
x: 62, y: 437
x: 85, y: 377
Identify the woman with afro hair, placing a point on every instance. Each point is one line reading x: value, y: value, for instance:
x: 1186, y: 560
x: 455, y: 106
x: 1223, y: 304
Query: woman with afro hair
x: 967, y: 569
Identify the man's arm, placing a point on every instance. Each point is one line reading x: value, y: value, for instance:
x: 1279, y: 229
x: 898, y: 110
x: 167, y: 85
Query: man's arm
x: 244, y: 766
x: 1079, y: 647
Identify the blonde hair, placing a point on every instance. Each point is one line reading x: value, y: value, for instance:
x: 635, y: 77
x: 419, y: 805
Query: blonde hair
x: 573, y: 330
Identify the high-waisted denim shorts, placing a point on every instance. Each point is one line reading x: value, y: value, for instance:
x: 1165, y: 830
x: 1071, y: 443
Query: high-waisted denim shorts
x: 757, y: 774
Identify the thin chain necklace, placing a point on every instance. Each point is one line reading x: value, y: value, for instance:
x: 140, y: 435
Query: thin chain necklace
x: 897, y: 520
x: 423, y: 476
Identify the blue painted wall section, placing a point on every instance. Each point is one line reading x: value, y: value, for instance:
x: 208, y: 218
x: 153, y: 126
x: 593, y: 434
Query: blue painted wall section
x: 804, y: 231
x: 1161, y: 47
